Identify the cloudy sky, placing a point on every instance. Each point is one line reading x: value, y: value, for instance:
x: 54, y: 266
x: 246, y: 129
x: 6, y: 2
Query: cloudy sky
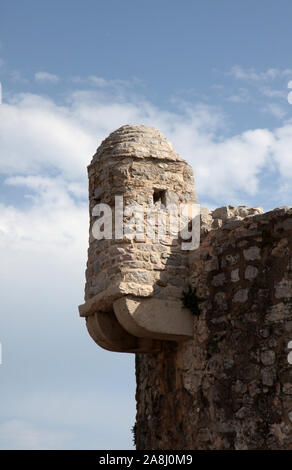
x: 213, y: 77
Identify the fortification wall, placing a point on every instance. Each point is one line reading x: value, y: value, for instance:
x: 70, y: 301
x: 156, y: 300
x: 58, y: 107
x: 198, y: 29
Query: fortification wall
x: 216, y: 374
x: 230, y: 387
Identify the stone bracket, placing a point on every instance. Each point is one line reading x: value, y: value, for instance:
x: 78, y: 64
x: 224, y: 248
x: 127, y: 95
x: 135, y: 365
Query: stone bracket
x: 137, y: 324
x: 154, y: 318
x: 106, y: 331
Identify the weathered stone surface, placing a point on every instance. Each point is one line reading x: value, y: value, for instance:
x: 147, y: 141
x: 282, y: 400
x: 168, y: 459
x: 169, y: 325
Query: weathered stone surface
x: 241, y: 296
x: 138, y: 163
x: 230, y: 387
x: 219, y: 379
x: 136, y: 141
x: 107, y: 332
x: 252, y: 253
x: 251, y: 272
x: 284, y: 289
x: 154, y: 318
x: 235, y: 275
x: 227, y: 217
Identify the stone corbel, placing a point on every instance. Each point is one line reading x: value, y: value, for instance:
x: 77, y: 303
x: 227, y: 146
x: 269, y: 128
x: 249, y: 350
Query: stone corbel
x: 153, y: 318
x: 137, y: 324
x: 109, y: 334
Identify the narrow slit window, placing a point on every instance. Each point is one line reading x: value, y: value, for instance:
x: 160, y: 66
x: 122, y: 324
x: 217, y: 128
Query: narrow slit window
x: 159, y: 196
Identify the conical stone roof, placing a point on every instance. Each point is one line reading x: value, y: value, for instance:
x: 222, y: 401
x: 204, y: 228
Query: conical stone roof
x: 139, y: 142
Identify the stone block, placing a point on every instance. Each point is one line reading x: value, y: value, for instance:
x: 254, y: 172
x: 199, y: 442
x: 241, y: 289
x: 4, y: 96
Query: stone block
x: 154, y: 318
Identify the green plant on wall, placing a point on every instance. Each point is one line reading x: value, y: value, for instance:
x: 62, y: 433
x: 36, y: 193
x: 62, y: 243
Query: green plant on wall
x: 192, y: 301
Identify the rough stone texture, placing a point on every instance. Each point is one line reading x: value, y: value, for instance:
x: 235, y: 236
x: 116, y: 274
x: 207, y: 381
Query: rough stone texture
x: 136, y: 141
x: 225, y: 217
x: 138, y: 163
x: 231, y: 386
x: 154, y: 318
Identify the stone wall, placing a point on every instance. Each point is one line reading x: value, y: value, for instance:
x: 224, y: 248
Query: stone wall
x: 230, y: 387
x: 216, y: 374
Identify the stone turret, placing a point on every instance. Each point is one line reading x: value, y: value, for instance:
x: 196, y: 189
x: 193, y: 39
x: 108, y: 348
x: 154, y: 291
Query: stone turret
x: 215, y: 375
x: 134, y: 280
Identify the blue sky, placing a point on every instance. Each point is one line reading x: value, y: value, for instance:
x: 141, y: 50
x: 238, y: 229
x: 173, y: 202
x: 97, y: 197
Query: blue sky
x: 213, y: 77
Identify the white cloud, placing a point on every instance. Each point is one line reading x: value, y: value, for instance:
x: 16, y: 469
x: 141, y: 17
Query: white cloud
x: 46, y: 77
x: 16, y: 77
x: 287, y: 72
x: 283, y: 152
x: 274, y: 110
x: 236, y: 99
x: 45, y: 343
x: 251, y: 74
x: 101, y: 82
x: 114, y: 83
x: 21, y: 435
x: 259, y: 81
x: 218, y: 86
x: 271, y: 93
x: 38, y: 136
x: 54, y: 219
x: 98, y: 81
x: 46, y: 148
x: 242, y: 96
